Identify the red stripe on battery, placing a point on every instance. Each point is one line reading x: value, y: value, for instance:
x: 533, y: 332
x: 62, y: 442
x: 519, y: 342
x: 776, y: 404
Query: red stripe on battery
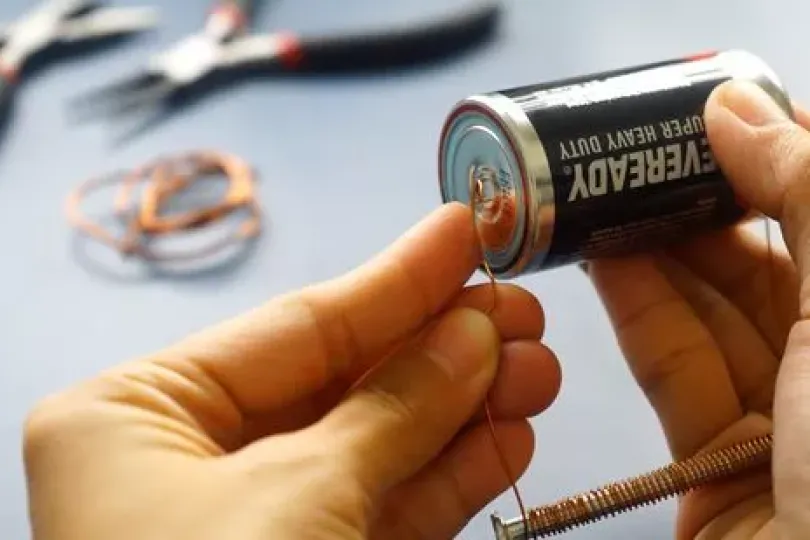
x: 701, y: 56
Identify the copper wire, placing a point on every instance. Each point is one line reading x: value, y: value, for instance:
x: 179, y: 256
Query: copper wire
x: 163, y: 179
x: 476, y: 193
x: 675, y: 479
x: 612, y: 499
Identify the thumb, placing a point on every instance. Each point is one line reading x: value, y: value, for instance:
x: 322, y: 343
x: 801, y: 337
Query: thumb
x: 766, y: 155
x: 403, y: 414
x: 767, y: 159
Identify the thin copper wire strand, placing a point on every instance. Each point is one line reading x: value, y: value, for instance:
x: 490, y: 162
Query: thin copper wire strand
x: 163, y: 179
x: 771, y: 267
x: 475, y: 196
x: 675, y: 479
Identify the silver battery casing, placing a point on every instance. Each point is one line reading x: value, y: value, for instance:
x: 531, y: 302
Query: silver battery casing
x: 510, y: 145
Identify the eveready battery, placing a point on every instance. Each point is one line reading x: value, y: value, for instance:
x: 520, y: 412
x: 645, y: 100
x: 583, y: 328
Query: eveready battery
x: 601, y: 165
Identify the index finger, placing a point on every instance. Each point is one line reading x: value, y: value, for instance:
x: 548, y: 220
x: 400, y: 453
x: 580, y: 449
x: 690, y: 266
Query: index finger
x: 298, y: 343
x: 756, y: 277
x: 670, y: 353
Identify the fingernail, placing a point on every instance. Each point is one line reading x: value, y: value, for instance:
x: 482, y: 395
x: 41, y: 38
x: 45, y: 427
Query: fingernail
x: 751, y: 104
x: 462, y: 343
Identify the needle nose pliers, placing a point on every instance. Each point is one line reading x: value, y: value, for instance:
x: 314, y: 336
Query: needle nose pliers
x: 225, y: 44
x: 61, y: 22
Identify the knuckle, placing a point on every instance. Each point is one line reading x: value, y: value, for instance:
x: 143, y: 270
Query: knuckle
x: 782, y: 167
x: 790, y: 170
x: 655, y: 375
x: 50, y: 420
x: 396, y: 522
x: 787, y: 160
x: 391, y: 405
x: 335, y: 334
x: 790, y: 156
x: 43, y: 423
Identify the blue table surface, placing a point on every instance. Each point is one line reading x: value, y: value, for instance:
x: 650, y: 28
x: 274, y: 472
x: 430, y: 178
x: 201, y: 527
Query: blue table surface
x: 346, y: 166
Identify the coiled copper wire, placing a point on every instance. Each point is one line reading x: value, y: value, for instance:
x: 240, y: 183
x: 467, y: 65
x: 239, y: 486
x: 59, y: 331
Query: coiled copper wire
x: 610, y: 500
x: 163, y: 179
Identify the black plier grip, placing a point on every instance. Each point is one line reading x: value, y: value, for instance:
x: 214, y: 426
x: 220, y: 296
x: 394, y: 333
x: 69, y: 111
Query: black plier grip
x: 395, y: 45
x: 226, y: 43
x: 62, y: 21
x: 374, y: 49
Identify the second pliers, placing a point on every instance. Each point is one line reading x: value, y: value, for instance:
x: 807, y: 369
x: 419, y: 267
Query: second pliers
x: 225, y: 43
x: 56, y: 23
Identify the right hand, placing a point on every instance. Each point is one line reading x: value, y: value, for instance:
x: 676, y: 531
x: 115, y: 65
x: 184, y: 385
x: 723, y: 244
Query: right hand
x: 717, y: 333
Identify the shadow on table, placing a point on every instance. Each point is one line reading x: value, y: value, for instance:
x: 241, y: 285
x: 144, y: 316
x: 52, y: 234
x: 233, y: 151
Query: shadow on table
x: 138, y: 271
x: 106, y: 263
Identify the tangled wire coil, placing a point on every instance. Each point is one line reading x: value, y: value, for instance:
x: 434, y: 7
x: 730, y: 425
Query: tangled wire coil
x: 163, y: 179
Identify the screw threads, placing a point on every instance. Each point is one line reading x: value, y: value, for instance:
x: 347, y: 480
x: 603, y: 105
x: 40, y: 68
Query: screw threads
x: 616, y: 498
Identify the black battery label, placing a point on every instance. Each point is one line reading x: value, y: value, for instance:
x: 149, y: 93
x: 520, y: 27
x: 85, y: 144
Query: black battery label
x: 630, y: 162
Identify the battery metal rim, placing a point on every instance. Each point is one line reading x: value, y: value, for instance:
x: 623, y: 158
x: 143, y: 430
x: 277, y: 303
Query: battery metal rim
x: 537, y: 180
x: 460, y: 177
x: 748, y: 66
x: 535, y: 176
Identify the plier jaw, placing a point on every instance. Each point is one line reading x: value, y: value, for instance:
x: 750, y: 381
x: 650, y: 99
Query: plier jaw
x: 225, y: 45
x: 62, y: 22
x: 169, y: 73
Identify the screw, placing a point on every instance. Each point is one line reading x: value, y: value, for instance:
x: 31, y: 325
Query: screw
x: 675, y: 479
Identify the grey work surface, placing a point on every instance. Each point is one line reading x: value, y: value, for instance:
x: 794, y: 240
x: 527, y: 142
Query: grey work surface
x: 346, y: 166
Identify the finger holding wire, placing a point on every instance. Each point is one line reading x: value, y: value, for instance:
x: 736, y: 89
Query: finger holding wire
x: 529, y: 374
x: 438, y: 503
x: 477, y: 197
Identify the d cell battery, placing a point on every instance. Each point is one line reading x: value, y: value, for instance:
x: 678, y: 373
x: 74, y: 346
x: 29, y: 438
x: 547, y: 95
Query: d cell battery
x: 607, y: 164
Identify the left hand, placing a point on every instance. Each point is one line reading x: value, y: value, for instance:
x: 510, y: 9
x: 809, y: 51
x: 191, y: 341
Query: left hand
x: 267, y: 426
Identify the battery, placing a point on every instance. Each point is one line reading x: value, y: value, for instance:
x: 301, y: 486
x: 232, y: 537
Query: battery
x: 602, y: 165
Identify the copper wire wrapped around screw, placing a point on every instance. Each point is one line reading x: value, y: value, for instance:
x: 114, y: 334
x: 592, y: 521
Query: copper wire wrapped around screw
x: 610, y: 500
x: 163, y: 179
x: 675, y: 479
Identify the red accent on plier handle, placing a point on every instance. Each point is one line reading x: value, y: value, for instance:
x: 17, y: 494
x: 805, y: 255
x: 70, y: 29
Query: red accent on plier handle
x: 290, y: 52
x: 10, y: 75
x: 233, y: 12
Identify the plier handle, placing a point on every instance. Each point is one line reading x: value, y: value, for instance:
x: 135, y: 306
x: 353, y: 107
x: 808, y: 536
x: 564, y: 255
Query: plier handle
x: 61, y: 22
x: 224, y: 43
x: 369, y: 49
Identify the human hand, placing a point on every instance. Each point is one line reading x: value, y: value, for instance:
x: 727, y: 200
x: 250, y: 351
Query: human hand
x: 271, y: 426
x: 715, y: 331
